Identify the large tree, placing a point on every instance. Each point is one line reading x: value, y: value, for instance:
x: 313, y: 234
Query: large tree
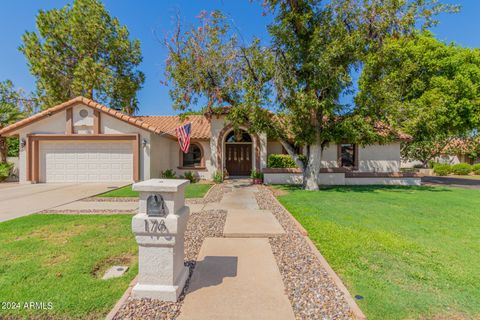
x: 14, y: 106
x: 427, y: 88
x: 81, y: 50
x: 314, y: 49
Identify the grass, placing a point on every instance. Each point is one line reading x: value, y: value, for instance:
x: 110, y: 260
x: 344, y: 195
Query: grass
x: 194, y: 190
x: 410, y: 252
x: 60, y: 259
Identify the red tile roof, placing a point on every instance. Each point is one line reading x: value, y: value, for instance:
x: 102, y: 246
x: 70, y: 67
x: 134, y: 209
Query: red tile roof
x: 50, y: 111
x: 156, y: 124
x: 200, y: 124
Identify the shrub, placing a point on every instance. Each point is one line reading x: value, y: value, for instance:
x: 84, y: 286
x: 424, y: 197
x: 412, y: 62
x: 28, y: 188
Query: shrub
x: 217, y: 177
x: 5, y: 169
x: 256, y: 174
x: 442, y: 169
x: 169, y: 174
x: 280, y: 161
x: 476, y: 168
x: 189, y: 176
x: 462, y: 169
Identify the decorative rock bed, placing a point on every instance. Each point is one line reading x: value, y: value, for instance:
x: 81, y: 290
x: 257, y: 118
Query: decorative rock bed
x: 200, y: 225
x: 311, y: 291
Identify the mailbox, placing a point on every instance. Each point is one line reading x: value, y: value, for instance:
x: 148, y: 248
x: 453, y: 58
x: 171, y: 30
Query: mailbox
x: 156, y: 206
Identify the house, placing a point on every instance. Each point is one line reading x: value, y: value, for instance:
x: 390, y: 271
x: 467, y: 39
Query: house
x: 83, y: 141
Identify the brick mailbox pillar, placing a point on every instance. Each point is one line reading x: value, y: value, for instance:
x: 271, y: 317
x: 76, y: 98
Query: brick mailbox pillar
x: 159, y: 229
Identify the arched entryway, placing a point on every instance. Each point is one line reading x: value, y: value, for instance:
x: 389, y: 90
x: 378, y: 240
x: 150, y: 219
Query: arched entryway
x: 238, y: 153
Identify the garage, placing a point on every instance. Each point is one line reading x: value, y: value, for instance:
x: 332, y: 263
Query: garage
x: 86, y: 161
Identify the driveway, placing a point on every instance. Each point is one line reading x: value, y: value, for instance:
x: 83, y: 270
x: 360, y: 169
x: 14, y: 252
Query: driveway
x: 18, y: 200
x: 452, y: 182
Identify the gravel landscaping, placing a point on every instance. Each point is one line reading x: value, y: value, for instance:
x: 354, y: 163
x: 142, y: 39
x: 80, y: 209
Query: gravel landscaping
x: 92, y: 211
x: 112, y: 199
x: 311, y: 291
x: 200, y: 225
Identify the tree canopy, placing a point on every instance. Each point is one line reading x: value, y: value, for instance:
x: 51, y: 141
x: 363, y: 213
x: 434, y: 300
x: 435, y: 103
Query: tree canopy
x: 315, y: 46
x: 81, y: 50
x: 14, y: 106
x: 427, y: 88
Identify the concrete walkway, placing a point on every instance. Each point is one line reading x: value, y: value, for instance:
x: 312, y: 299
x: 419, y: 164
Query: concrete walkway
x: 238, y: 278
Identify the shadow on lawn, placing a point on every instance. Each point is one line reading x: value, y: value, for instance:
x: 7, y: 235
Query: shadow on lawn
x: 369, y: 189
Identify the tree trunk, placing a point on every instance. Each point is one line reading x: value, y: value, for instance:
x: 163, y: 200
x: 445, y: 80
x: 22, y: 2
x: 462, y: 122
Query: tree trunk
x: 3, y: 149
x: 312, y: 168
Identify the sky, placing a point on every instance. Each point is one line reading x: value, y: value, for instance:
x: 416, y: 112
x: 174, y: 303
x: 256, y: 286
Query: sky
x: 150, y: 20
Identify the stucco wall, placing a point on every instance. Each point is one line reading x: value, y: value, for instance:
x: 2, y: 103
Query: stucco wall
x: 54, y: 124
x: 379, y: 158
x: 327, y: 179
x: 384, y: 181
x: 274, y: 147
x: 283, y: 178
x: 159, y: 147
x: 329, y: 157
x: 373, y: 158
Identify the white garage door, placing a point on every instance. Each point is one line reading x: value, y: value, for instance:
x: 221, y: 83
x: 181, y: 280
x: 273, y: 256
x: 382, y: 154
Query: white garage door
x: 77, y: 161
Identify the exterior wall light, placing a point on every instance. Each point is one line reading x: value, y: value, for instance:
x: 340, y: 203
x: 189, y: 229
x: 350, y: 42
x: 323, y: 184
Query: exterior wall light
x: 23, y: 143
x: 144, y: 143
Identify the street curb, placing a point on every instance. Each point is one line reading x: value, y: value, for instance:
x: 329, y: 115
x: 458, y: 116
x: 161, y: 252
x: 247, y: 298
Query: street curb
x: 356, y: 311
x: 122, y: 300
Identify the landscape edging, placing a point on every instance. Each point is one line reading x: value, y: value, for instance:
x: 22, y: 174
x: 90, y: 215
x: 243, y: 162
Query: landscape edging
x: 357, y: 312
x: 122, y: 300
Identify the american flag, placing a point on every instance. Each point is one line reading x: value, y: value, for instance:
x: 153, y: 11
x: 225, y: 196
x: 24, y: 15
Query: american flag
x: 183, y: 135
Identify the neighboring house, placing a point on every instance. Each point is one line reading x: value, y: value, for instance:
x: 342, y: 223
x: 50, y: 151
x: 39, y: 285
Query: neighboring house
x: 83, y: 141
x: 456, y: 151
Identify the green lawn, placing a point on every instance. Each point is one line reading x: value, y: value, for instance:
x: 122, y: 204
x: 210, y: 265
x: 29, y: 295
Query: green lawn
x: 60, y: 259
x: 411, y: 252
x: 195, y: 190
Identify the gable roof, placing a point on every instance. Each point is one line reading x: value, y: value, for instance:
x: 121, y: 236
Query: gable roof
x: 157, y: 126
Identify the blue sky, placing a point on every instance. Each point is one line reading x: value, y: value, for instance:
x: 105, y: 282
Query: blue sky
x: 145, y: 18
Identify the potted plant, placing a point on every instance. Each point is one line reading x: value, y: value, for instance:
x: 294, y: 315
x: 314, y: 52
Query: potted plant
x: 257, y: 177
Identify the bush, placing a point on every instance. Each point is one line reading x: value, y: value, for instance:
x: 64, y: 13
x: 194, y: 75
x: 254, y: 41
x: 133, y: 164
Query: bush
x: 442, y: 169
x: 5, y: 169
x: 13, y: 146
x: 282, y: 161
x: 169, y: 174
x: 256, y: 174
x: 217, y: 177
x: 476, y: 168
x: 461, y: 169
x: 189, y: 176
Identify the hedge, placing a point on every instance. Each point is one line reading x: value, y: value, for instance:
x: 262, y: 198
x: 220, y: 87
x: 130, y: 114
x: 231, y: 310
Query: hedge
x: 442, y: 169
x: 476, y: 168
x: 283, y: 161
x: 461, y: 169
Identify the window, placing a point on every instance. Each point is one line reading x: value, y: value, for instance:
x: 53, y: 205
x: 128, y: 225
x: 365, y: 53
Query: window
x: 240, y: 136
x: 193, y: 158
x: 348, y: 155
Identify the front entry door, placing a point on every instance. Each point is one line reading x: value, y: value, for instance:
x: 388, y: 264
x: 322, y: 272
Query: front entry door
x: 238, y: 159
